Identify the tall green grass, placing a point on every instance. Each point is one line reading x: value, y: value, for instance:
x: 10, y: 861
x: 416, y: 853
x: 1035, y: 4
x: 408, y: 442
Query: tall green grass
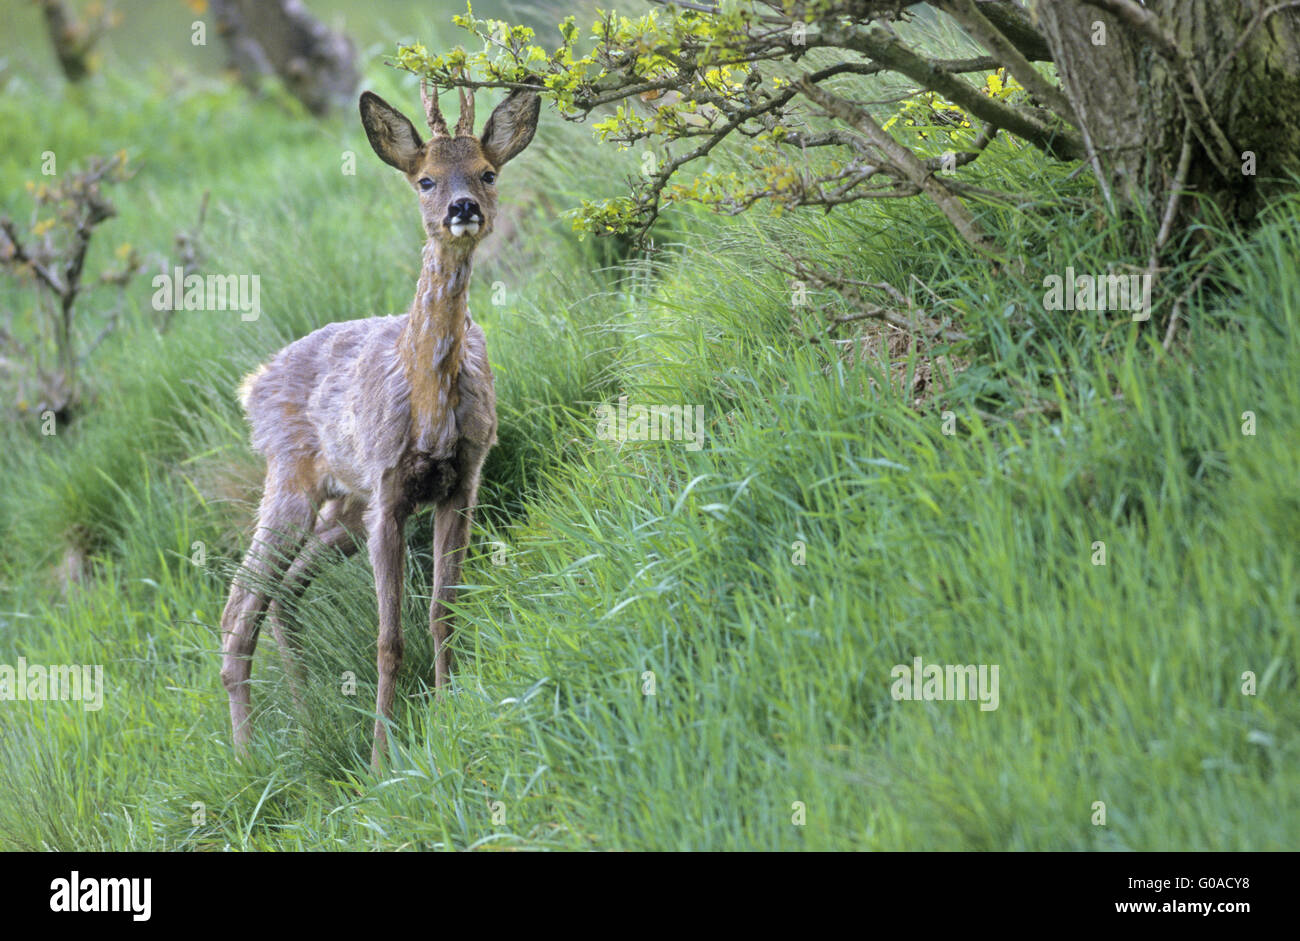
x: 762, y: 587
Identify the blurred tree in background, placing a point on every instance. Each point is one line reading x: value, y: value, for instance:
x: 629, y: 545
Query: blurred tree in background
x: 317, y: 64
x: 74, y: 38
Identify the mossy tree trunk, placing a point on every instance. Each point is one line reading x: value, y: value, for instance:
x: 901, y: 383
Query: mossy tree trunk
x: 1132, y: 94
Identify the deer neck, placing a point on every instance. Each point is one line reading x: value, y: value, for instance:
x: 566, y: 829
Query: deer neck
x: 432, y: 345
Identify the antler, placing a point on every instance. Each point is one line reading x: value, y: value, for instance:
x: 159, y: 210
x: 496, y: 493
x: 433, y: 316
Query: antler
x: 465, y: 126
x: 437, y: 124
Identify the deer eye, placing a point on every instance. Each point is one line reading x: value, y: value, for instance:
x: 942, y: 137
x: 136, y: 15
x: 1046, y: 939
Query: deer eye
x: 426, y: 184
x: 489, y: 177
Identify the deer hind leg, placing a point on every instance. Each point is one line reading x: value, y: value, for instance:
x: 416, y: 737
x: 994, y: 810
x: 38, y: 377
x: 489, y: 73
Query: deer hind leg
x: 451, y: 524
x: 338, y: 528
x: 385, y: 526
x: 283, y: 522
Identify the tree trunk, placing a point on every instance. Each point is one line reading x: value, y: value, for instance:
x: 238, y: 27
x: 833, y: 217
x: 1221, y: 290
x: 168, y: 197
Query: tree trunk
x: 317, y: 64
x: 73, y: 40
x: 1133, y: 95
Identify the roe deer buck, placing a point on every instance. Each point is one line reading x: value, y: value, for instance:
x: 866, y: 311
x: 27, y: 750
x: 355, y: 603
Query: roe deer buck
x: 364, y: 420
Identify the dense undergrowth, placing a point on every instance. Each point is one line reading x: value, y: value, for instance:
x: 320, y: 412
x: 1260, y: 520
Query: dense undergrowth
x: 858, y: 502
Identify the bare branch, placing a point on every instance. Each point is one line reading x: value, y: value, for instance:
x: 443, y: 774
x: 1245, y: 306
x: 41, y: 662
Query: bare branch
x: 987, y: 35
x: 19, y: 255
x: 907, y: 162
x: 1175, y: 196
x: 1178, y: 304
x: 888, y: 51
x: 852, y: 290
x: 1014, y: 23
x: 962, y: 158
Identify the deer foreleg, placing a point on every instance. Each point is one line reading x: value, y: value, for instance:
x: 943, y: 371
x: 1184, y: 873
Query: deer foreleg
x: 451, y: 524
x: 387, y: 556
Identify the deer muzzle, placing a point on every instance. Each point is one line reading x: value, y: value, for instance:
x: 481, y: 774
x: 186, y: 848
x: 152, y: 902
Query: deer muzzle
x: 464, y: 217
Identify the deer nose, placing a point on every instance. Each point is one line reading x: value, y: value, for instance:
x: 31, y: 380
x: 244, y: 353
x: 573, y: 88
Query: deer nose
x: 463, y: 211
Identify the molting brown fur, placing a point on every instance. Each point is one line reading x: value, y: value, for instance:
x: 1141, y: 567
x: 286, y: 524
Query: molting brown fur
x: 362, y: 422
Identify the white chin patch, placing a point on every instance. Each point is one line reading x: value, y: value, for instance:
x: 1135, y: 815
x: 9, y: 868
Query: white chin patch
x: 464, y: 228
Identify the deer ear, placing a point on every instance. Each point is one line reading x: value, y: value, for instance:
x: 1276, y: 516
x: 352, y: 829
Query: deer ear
x: 511, y: 126
x: 391, y: 134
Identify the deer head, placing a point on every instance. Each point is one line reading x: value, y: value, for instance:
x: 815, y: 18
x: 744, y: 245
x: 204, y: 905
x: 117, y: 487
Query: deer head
x: 454, y: 175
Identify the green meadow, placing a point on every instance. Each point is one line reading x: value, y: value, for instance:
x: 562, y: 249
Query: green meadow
x: 658, y: 647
